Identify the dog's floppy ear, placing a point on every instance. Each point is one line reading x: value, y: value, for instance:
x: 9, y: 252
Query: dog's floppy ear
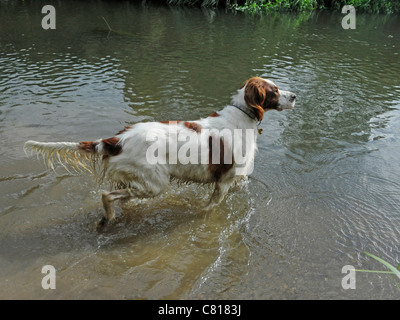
x: 255, y: 95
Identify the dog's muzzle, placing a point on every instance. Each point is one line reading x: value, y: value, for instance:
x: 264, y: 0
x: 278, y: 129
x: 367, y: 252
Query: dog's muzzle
x: 287, y: 100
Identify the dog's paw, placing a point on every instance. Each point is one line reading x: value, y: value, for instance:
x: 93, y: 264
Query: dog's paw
x: 102, y: 223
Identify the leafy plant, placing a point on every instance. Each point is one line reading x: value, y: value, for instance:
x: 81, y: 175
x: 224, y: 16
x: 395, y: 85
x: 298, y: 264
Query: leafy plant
x: 258, y: 6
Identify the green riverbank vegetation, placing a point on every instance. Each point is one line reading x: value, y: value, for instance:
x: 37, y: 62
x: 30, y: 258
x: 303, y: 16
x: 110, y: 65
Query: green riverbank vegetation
x: 266, y: 6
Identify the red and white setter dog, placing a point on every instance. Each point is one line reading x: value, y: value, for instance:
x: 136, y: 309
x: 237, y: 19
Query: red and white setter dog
x: 141, y: 159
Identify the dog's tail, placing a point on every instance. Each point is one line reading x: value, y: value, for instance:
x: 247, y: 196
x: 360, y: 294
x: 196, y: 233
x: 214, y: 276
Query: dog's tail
x: 77, y: 155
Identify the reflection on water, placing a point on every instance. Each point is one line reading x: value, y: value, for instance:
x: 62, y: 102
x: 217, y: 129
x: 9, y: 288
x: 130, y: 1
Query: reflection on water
x: 325, y: 185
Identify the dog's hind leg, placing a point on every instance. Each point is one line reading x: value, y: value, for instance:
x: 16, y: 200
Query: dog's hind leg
x: 108, y: 197
x: 218, y: 195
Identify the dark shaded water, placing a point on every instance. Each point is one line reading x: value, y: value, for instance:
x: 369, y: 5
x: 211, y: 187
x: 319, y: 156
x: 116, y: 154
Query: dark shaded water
x: 325, y: 186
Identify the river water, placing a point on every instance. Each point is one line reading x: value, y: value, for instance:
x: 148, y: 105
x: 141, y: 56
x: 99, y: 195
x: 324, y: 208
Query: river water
x: 326, y: 182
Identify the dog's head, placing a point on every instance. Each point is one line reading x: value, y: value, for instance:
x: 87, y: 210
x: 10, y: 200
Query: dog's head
x: 263, y: 95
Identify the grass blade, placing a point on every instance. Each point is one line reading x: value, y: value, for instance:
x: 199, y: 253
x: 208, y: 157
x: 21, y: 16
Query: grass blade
x: 374, y: 271
x: 395, y: 282
x: 395, y: 271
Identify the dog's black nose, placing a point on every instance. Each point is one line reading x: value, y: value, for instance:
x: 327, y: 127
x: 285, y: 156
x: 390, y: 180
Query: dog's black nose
x: 293, y: 96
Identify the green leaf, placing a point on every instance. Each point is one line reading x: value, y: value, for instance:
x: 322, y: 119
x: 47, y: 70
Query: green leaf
x: 387, y: 264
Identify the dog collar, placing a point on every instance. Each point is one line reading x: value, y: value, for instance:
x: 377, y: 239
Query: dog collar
x: 250, y: 113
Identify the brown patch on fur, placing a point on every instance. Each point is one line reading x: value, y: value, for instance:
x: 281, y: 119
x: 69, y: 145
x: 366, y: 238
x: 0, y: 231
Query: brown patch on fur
x: 214, y: 114
x: 88, y: 146
x: 123, y: 130
x: 261, y: 95
x: 272, y: 97
x: 217, y: 170
x: 169, y: 122
x: 111, y: 146
x: 193, y: 126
